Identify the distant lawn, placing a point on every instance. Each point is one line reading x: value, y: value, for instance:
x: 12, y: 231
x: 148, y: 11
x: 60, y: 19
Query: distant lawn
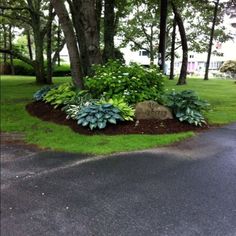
x: 16, y: 92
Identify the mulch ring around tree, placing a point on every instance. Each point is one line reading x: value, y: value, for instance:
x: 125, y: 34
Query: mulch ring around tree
x: 46, y: 112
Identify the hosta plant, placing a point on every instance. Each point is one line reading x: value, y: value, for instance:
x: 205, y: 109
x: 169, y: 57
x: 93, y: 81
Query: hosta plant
x: 60, y: 95
x: 39, y: 95
x: 187, y: 106
x: 126, y: 111
x: 192, y: 117
x: 73, y: 106
x: 97, y: 116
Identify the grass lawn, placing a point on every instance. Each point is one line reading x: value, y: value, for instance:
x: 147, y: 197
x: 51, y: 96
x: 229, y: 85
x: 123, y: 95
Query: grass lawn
x: 16, y: 92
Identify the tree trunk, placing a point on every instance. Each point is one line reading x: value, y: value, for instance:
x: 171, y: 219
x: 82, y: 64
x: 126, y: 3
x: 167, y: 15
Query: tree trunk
x: 49, y: 46
x: 109, y: 30
x: 39, y: 60
x: 211, y: 40
x: 4, y: 42
x: 58, y: 44
x: 85, y: 22
x: 172, y: 53
x: 10, y: 47
x: 162, y: 40
x: 29, y: 44
x: 67, y: 27
x: 184, y: 44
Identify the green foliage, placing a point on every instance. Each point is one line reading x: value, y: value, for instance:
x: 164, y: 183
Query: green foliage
x: 97, y: 116
x: 62, y: 70
x: 134, y: 83
x: 39, y: 95
x: 73, y: 106
x: 187, y: 106
x: 22, y: 68
x: 60, y: 95
x: 192, y: 117
x: 126, y: 111
x: 228, y: 66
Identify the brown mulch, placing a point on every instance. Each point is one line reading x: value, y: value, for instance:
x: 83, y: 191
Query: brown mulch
x: 46, y: 112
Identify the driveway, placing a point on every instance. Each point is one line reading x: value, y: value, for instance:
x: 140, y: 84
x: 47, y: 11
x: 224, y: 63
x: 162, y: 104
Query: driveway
x: 183, y: 190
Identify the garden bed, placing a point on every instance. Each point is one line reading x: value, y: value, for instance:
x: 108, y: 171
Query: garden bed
x: 46, y: 112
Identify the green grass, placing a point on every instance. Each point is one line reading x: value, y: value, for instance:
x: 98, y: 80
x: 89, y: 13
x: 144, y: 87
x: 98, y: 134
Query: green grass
x: 16, y: 92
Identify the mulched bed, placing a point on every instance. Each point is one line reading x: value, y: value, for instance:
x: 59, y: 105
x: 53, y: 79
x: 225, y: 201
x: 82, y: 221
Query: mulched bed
x: 46, y: 112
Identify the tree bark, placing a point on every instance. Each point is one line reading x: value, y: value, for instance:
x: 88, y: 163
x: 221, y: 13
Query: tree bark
x: 211, y: 40
x: 67, y: 27
x: 49, y: 46
x: 172, y: 53
x: 10, y: 46
x: 58, y: 44
x: 162, y: 40
x: 85, y: 22
x: 4, y: 42
x: 29, y: 45
x: 109, y: 30
x: 184, y: 44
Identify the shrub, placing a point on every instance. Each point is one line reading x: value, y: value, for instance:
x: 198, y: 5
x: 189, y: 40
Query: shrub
x: 22, y: 68
x: 134, y: 83
x: 97, y: 116
x: 62, y: 70
x: 126, y: 111
x: 187, y: 106
x: 228, y: 66
x: 60, y: 95
x: 39, y: 95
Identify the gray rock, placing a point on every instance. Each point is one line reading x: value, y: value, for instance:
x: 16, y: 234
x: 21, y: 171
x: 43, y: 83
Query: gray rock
x: 152, y: 110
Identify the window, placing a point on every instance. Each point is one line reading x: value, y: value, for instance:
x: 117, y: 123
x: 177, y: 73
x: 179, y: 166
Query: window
x: 191, y: 56
x: 144, y: 53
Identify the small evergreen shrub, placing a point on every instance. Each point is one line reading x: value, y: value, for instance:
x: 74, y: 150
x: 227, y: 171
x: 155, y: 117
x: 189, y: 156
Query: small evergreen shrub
x: 134, y: 83
x: 97, y: 116
x: 187, y: 106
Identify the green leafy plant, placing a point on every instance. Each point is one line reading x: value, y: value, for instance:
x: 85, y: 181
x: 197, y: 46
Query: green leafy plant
x: 134, y: 83
x: 60, y: 95
x: 192, y: 117
x: 73, y: 106
x: 39, y: 95
x: 97, y: 116
x: 187, y: 106
x: 126, y: 111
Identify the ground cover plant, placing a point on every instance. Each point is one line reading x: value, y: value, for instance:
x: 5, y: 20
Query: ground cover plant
x: 17, y: 91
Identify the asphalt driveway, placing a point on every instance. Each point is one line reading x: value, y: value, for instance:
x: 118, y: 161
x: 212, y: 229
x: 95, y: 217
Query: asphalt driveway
x: 183, y: 190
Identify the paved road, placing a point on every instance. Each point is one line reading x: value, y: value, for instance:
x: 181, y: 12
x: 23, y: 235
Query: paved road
x: 185, y: 190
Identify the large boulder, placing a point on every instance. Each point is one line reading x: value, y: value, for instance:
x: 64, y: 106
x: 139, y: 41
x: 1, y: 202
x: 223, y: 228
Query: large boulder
x: 148, y: 110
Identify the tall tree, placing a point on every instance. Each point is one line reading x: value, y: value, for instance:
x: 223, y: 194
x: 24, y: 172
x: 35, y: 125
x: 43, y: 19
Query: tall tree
x: 71, y: 42
x: 172, y: 59
x: 109, y: 30
x: 211, y: 39
x: 162, y: 36
x: 184, y: 44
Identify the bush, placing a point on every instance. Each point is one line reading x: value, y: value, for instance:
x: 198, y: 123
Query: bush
x: 126, y: 111
x: 97, y: 116
x: 228, y: 66
x: 60, y: 95
x: 62, y: 70
x: 134, y: 83
x: 22, y: 68
x: 187, y: 106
